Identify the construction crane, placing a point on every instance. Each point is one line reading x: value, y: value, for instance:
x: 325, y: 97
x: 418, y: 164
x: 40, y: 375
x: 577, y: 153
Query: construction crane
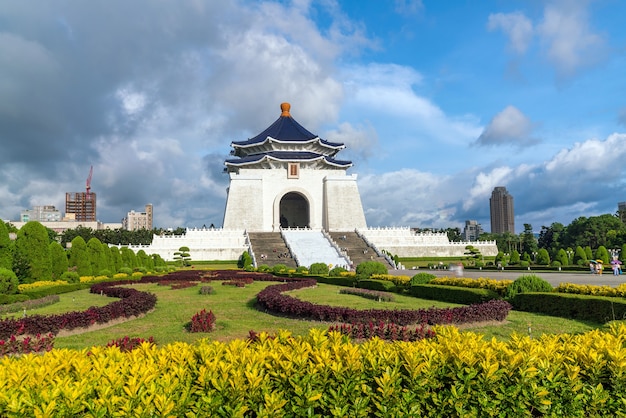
x: 89, y: 183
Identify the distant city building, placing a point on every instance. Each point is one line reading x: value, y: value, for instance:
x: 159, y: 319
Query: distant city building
x: 138, y: 220
x: 621, y: 211
x: 472, y: 230
x: 81, y: 205
x: 501, y: 209
x: 41, y: 213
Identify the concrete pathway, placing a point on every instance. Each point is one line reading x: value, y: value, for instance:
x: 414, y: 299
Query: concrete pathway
x: 554, y: 278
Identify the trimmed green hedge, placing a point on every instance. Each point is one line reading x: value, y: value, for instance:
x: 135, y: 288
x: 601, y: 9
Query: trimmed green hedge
x: 375, y: 284
x: 453, y: 294
x: 599, y: 309
x: 7, y: 299
x: 338, y: 281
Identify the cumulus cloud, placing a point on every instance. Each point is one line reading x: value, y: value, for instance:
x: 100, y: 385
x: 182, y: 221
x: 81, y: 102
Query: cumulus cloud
x: 509, y: 127
x: 517, y: 27
x: 359, y: 140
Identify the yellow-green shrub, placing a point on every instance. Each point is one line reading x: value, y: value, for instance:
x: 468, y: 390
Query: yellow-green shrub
x: 593, y: 290
x: 400, y: 281
x: 498, y: 286
x: 453, y: 374
x: 25, y: 287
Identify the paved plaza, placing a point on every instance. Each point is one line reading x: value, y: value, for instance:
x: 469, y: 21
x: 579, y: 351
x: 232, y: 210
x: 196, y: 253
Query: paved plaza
x: 553, y: 277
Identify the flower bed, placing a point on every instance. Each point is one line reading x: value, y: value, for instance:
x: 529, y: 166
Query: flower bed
x: 498, y: 286
x: 18, y: 346
x: 384, y: 331
x: 272, y: 299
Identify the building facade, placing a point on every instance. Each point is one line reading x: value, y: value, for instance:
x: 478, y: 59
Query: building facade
x: 621, y: 211
x: 501, y: 210
x: 41, y: 214
x: 80, y: 206
x: 472, y: 230
x: 135, y: 221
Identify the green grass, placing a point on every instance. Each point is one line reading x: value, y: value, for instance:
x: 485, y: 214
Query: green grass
x: 236, y: 315
x: 79, y: 300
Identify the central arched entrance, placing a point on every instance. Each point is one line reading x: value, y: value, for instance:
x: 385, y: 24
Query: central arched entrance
x: 294, y: 211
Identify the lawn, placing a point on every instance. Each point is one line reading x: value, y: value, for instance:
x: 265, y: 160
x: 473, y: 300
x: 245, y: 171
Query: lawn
x: 236, y: 315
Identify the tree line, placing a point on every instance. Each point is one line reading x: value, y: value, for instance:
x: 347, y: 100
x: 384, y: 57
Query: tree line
x: 36, y: 255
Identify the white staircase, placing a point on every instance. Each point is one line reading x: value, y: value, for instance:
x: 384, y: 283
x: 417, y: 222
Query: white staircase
x: 309, y: 246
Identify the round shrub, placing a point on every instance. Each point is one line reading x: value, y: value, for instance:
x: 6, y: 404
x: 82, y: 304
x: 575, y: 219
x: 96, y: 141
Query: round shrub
x: 319, y: 269
x: 105, y: 272
x: 556, y: 263
x: 279, y: 268
x: 264, y: 268
x: 8, y: 282
x: 126, y: 270
x: 524, y: 264
x: 206, y: 290
x: 422, y: 278
x: 302, y: 269
x: 367, y: 268
x: 527, y: 283
x: 71, y: 277
x: 336, y: 271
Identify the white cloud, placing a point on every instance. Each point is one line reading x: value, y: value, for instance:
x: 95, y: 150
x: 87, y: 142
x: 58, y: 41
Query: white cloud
x: 569, y: 40
x: 509, y: 127
x: 359, y: 140
x: 516, y: 25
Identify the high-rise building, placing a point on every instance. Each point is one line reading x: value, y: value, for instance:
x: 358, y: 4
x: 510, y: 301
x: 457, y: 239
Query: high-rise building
x: 81, y: 206
x: 501, y: 209
x: 138, y: 220
x: 41, y: 214
x: 472, y: 230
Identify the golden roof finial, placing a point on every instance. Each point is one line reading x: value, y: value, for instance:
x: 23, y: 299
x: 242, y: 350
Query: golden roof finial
x: 285, y: 107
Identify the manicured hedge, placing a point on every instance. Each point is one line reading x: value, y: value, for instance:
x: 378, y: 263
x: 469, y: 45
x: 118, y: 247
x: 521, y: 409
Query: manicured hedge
x: 590, y: 308
x: 376, y: 284
x: 452, y: 294
x: 338, y: 281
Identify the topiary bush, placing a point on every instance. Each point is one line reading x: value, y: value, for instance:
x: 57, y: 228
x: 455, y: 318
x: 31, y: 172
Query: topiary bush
x: 302, y: 270
x: 422, y: 278
x: 367, y: 268
x: 336, y: 271
x: 8, y: 282
x: 319, y: 268
x: 279, y: 268
x: 206, y: 290
x: 71, y: 277
x: 126, y: 270
x: 527, y: 283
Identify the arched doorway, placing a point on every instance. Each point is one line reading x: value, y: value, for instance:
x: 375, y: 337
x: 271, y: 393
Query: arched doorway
x: 294, y: 211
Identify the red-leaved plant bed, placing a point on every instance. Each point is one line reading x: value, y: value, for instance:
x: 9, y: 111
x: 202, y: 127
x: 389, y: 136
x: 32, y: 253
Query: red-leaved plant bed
x: 272, y: 299
x: 127, y: 343
x: 36, y: 344
x: 384, y: 331
x: 202, y: 321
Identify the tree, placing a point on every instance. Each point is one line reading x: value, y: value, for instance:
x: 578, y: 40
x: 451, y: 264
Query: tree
x: 117, y: 259
x: 550, y: 238
x: 515, y: 258
x: 129, y: 259
x: 79, y: 257
x: 6, y: 247
x: 543, y: 258
x: 32, y: 244
x: 97, y: 257
x: 183, y: 255
x: 561, y: 257
x: 8, y: 282
x: 58, y: 258
x: 580, y: 257
x: 473, y: 255
x: 529, y: 243
x: 602, y: 254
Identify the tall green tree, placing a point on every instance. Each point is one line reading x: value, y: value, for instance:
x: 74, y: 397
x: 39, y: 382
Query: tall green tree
x: 97, y: 258
x: 550, y: 238
x: 580, y: 257
x: 6, y: 247
x: 529, y: 242
x: 543, y: 258
x: 79, y: 257
x: 58, y: 258
x: 33, y: 245
x: 117, y: 259
x: 561, y: 257
x: 603, y: 254
x: 129, y: 259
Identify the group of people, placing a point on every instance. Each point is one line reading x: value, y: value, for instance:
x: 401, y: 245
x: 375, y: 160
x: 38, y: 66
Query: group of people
x: 596, y: 267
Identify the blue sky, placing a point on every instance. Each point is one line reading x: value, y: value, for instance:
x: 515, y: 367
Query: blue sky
x: 438, y: 102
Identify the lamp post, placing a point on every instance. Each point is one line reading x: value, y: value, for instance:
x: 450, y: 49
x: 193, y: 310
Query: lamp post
x: 534, y: 257
x: 569, y: 256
